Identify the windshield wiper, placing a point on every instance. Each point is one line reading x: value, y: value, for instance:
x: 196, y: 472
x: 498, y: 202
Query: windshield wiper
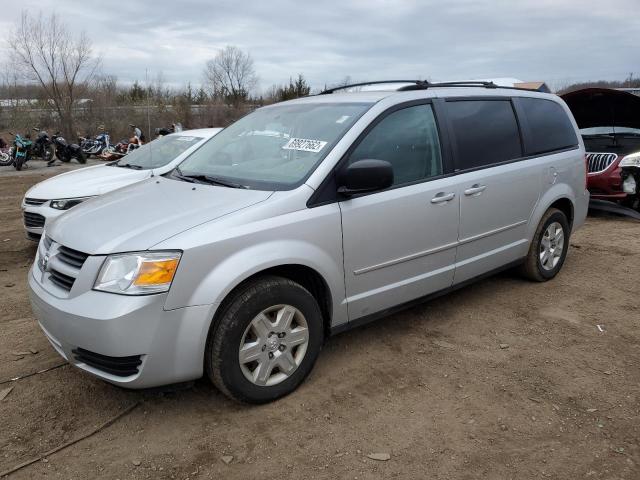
x: 129, y: 165
x: 199, y: 177
x: 215, y: 181
x: 611, y: 134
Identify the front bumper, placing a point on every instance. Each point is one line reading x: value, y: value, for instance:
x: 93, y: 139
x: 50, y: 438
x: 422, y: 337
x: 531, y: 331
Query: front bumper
x: 170, y: 344
x: 606, y: 185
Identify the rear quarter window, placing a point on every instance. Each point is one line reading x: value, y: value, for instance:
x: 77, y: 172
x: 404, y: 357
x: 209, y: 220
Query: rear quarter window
x: 485, y: 132
x: 549, y: 126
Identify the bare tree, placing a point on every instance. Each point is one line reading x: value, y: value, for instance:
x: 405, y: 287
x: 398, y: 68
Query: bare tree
x: 231, y: 75
x: 46, y: 53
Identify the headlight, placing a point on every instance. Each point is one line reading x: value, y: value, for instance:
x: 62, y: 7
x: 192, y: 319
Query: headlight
x: 67, y: 203
x: 139, y: 273
x: 632, y: 160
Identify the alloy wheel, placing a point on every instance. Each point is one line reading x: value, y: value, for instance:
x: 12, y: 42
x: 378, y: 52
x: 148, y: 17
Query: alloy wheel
x: 273, y: 345
x: 551, y: 246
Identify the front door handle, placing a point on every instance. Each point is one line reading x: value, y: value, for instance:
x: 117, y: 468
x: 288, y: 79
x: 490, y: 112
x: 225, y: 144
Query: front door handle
x: 476, y: 189
x: 442, y: 197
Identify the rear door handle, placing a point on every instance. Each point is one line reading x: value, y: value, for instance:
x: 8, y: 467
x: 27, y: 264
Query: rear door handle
x: 442, y: 197
x: 475, y: 190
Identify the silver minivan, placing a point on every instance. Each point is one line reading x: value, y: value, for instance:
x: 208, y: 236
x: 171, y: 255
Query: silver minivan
x: 303, y: 219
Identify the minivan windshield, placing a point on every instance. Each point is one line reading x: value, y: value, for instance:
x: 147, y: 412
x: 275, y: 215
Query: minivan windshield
x: 273, y: 148
x: 157, y: 153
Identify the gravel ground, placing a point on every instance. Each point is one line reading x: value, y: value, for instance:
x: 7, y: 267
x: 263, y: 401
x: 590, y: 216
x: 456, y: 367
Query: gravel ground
x: 505, y: 379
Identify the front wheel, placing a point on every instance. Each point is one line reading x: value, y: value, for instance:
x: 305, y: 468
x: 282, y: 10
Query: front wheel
x: 82, y: 158
x: 47, y: 153
x: 549, y: 247
x: 265, y: 342
x: 62, y: 156
x: 19, y: 162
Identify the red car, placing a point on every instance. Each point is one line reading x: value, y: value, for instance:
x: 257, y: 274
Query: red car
x: 609, y: 121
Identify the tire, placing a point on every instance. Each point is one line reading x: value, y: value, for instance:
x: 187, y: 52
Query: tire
x: 48, y: 153
x: 82, y: 158
x: 545, y: 246
x: 234, y: 327
x: 63, y: 157
x: 18, y: 163
x: 5, y: 159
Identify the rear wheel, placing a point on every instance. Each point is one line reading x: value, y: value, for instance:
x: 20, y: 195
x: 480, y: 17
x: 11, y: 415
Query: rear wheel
x: 18, y: 163
x: 265, y: 342
x: 5, y: 159
x: 549, y: 247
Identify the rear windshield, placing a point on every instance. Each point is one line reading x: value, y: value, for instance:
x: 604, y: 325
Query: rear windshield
x: 159, y: 152
x: 276, y: 147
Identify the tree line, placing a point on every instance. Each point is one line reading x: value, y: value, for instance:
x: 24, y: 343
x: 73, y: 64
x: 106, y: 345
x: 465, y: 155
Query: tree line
x: 54, y: 79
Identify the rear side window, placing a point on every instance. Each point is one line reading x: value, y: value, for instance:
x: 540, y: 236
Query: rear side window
x: 549, y: 127
x: 484, y: 132
x: 408, y: 139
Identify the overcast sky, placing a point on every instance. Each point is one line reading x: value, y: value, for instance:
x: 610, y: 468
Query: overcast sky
x: 559, y: 41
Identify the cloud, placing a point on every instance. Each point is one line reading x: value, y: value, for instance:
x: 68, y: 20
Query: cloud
x: 553, y: 40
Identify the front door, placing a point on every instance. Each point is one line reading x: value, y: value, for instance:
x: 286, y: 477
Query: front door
x: 400, y: 244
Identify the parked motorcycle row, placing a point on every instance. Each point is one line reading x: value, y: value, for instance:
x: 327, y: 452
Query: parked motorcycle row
x: 44, y: 147
x: 49, y: 148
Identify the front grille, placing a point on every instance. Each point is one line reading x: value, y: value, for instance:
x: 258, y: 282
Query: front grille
x: 119, y: 366
x: 34, y: 201
x: 599, y: 162
x: 71, y: 257
x: 60, y: 279
x: 61, y: 265
x: 33, y: 220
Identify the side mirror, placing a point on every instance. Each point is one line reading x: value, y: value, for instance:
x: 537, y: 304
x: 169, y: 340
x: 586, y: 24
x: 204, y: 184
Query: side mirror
x: 365, y: 176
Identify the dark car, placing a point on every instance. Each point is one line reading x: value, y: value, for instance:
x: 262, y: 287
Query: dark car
x: 609, y: 122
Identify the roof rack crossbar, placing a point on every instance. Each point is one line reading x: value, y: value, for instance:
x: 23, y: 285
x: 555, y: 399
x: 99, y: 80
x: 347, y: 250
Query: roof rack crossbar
x: 415, y: 85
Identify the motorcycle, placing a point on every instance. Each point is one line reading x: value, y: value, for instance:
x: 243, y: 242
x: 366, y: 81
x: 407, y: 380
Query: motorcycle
x: 95, y: 146
x: 65, y: 151
x: 20, y: 152
x: 122, y: 148
x: 42, y: 146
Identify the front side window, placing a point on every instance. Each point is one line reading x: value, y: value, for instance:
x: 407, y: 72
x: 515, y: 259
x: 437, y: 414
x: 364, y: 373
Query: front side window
x: 273, y: 148
x: 158, y: 153
x: 408, y: 140
x: 485, y: 132
x: 549, y: 127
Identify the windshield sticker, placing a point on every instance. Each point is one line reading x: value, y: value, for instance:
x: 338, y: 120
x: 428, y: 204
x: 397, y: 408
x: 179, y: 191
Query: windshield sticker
x: 343, y: 119
x: 186, y: 139
x: 304, y: 145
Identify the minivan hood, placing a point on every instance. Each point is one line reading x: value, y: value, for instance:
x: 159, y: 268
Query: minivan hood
x: 141, y: 215
x: 86, y: 182
x: 603, y: 107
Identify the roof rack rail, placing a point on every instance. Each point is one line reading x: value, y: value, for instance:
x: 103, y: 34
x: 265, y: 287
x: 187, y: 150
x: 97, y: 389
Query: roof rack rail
x: 463, y: 83
x: 421, y: 85
x: 376, y: 82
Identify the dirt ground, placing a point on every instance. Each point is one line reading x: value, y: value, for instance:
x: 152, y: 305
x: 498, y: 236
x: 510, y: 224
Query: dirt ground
x: 504, y: 379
